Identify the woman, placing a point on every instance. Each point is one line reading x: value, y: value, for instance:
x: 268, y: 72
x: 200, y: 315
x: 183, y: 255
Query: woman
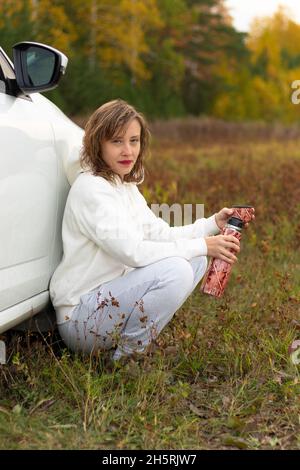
x: 124, y: 271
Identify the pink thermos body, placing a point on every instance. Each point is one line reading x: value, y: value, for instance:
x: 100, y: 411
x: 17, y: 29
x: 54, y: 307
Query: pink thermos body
x: 218, y: 271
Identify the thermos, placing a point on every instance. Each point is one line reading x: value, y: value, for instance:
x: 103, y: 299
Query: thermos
x: 218, y: 271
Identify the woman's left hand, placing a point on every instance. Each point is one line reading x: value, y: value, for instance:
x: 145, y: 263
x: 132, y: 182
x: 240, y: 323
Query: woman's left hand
x: 224, y: 214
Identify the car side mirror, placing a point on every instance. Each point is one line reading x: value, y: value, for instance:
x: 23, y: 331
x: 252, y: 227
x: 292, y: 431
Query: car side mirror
x: 38, y: 67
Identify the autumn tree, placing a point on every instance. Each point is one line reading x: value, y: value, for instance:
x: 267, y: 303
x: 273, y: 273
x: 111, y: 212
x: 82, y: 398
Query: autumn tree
x: 165, y: 59
x: 261, y: 89
x: 15, y: 23
x: 209, y: 41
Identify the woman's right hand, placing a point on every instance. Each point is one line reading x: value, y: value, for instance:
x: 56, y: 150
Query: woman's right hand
x: 220, y: 246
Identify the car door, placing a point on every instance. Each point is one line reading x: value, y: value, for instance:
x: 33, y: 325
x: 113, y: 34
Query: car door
x: 28, y: 175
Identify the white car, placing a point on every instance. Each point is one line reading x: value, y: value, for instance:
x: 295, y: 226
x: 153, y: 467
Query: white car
x: 39, y: 160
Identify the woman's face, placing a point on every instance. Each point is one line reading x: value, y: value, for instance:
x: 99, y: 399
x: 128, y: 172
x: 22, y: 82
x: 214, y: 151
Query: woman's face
x: 123, y: 148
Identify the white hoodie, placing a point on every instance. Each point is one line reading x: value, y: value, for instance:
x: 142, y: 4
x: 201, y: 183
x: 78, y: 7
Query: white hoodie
x: 107, y: 231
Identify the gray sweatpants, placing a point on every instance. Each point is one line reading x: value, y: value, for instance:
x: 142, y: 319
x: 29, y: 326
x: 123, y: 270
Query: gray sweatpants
x: 130, y: 311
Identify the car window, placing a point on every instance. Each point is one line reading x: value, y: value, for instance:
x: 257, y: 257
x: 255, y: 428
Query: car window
x: 6, y: 71
x: 6, y: 65
x: 2, y: 82
x: 8, y: 83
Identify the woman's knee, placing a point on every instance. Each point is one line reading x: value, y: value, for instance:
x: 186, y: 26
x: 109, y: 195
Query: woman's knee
x: 199, y: 265
x: 180, y: 273
x: 79, y: 339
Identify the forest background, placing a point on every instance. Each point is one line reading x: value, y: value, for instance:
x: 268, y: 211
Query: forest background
x: 170, y: 58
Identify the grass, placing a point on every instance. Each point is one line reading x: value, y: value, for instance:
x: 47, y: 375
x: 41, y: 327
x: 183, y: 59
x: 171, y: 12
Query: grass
x: 222, y: 377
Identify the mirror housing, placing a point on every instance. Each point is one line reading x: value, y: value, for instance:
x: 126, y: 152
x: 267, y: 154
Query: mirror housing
x: 38, y: 67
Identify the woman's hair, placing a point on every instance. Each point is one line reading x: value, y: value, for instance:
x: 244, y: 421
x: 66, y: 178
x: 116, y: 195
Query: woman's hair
x: 104, y: 124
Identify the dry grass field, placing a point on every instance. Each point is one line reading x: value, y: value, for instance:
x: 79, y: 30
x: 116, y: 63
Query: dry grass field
x: 222, y: 377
